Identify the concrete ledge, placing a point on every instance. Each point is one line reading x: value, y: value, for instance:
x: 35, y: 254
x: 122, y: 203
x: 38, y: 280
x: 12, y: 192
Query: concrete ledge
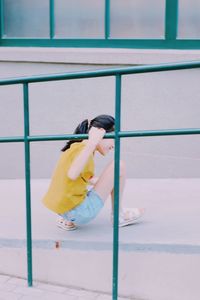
x: 102, y: 246
x: 96, y: 55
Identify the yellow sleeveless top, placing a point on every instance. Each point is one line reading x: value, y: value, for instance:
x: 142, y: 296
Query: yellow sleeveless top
x: 63, y: 193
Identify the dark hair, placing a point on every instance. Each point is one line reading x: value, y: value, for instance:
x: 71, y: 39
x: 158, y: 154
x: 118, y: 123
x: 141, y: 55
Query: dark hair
x: 102, y: 121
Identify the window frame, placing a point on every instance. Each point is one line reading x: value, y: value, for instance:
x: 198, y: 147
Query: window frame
x: 169, y: 41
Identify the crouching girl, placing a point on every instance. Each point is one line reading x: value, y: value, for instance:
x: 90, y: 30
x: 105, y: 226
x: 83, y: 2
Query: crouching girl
x: 68, y: 193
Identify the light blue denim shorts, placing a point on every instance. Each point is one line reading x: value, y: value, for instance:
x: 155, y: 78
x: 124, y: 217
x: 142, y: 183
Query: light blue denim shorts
x: 86, y: 211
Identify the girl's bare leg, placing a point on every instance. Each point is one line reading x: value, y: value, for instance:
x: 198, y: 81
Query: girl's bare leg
x: 105, y: 184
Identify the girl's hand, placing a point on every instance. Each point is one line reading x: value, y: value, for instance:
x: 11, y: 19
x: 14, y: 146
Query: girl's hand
x: 96, y: 135
x: 93, y: 180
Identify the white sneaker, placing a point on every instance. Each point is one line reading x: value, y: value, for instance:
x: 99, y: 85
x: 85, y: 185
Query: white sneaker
x: 129, y: 216
x: 64, y: 224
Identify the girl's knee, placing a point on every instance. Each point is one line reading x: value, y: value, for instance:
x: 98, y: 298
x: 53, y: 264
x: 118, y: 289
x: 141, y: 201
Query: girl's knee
x: 122, y: 168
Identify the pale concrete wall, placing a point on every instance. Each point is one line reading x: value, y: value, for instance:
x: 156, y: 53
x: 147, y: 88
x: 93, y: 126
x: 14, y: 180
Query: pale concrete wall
x: 149, y: 101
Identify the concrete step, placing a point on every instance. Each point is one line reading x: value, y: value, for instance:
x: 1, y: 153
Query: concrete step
x: 159, y: 258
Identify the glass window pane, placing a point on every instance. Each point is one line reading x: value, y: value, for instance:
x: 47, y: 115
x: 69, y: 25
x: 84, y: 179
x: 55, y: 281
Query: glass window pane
x: 137, y: 18
x: 26, y: 18
x: 79, y: 18
x: 189, y: 19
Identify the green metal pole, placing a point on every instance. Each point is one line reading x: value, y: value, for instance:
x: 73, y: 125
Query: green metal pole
x: 51, y: 19
x: 107, y: 19
x: 27, y: 179
x: 171, y: 19
x: 116, y: 186
x: 104, y: 72
x: 122, y: 134
x: 1, y: 19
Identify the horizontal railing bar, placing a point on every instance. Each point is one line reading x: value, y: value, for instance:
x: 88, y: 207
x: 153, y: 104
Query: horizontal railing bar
x: 12, y: 139
x: 122, y: 134
x: 143, y: 133
x: 161, y: 43
x: 101, y: 73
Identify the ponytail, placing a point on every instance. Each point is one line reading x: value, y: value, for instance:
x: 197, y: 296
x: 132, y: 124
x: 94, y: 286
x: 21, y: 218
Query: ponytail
x: 82, y: 128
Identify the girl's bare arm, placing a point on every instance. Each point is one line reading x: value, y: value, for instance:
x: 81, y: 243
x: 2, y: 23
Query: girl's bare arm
x: 95, y: 135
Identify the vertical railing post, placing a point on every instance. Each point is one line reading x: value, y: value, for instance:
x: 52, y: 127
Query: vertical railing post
x: 116, y: 185
x: 171, y: 19
x: 51, y: 19
x: 107, y: 19
x: 28, y: 185
x: 1, y: 19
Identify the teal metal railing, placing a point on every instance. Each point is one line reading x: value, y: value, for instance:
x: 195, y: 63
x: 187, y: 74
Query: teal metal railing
x: 117, y: 135
x: 168, y: 41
